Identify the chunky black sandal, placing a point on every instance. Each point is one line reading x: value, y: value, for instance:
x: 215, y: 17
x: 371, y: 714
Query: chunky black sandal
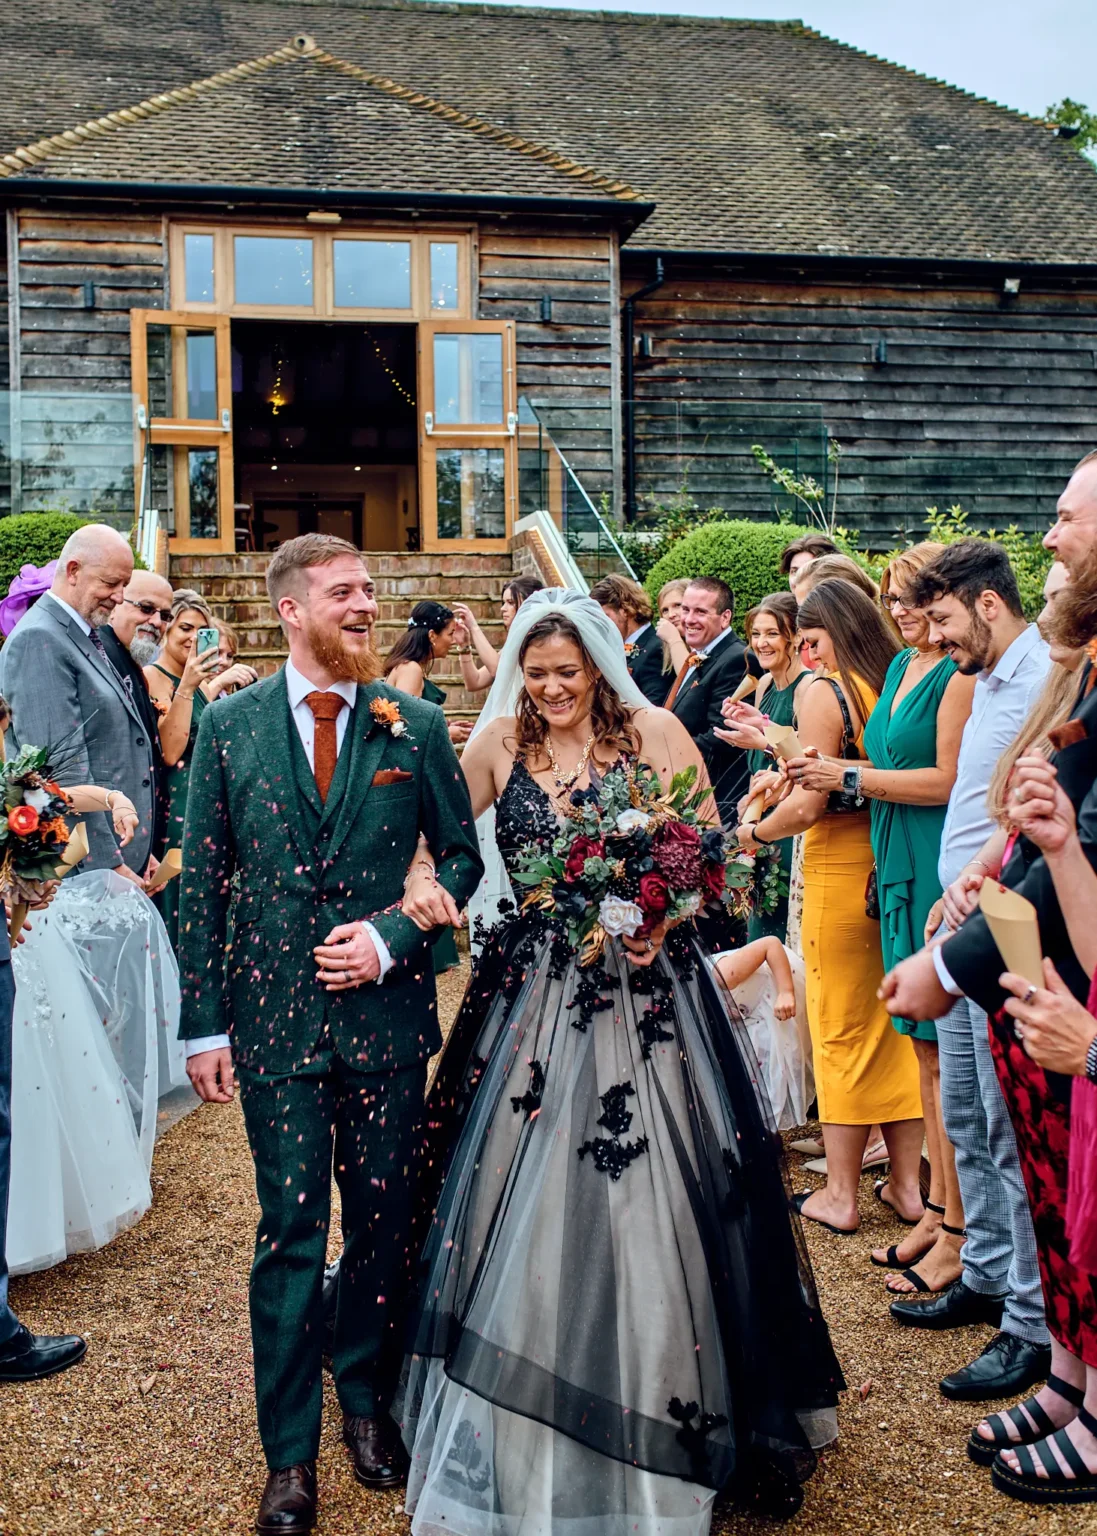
x: 1057, y: 1487
x: 893, y: 1261
x: 797, y: 1204
x: 915, y: 1279
x: 1037, y: 1426
x: 877, y: 1190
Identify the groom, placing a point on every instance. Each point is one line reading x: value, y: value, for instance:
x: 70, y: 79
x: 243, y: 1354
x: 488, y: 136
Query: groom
x: 308, y: 794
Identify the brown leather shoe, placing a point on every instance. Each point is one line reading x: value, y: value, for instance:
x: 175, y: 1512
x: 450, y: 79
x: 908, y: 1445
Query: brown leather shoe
x: 380, y: 1460
x: 288, y: 1505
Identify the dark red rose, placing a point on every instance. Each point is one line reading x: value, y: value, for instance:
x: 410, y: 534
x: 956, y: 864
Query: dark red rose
x: 712, y: 881
x: 679, y: 832
x: 23, y: 820
x: 582, y: 849
x: 654, y: 895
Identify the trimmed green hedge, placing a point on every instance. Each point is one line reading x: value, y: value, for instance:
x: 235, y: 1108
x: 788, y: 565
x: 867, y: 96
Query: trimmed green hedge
x: 36, y: 538
x: 744, y: 554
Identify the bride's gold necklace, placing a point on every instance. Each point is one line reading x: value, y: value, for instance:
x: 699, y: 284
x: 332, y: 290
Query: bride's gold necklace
x: 564, y: 781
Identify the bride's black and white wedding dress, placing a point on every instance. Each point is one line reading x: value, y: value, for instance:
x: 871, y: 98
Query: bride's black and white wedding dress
x: 617, y: 1317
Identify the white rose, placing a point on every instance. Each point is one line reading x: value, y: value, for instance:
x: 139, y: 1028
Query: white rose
x: 633, y: 821
x: 399, y: 727
x: 618, y: 916
x: 38, y: 798
x: 690, y: 904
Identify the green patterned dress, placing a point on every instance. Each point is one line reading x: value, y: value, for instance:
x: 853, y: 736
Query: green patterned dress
x: 780, y: 705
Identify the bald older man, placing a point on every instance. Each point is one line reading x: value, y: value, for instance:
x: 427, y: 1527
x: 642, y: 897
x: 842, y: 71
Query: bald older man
x: 66, y: 693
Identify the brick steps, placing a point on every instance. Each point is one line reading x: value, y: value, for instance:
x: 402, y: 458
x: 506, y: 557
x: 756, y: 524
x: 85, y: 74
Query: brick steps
x: 235, y: 588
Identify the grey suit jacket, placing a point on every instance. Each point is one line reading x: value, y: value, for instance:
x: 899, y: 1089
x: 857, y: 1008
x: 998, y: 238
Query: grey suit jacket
x: 63, y: 694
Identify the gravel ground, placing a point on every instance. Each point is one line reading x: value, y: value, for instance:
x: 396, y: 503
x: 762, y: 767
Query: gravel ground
x: 155, y: 1430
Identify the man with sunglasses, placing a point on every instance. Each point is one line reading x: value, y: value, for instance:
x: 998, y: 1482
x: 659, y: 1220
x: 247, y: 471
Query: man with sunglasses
x: 132, y: 639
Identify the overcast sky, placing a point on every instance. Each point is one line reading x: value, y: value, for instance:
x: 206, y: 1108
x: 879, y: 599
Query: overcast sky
x: 1023, y: 53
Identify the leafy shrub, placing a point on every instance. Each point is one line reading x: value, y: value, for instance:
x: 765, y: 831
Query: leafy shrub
x: 1027, y: 555
x: 35, y: 538
x: 746, y: 555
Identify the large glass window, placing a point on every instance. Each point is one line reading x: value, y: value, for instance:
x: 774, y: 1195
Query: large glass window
x: 372, y: 274
x: 198, y: 268
x: 271, y: 269
x: 443, y: 275
x: 201, y: 376
x: 468, y: 378
x: 471, y: 493
x: 202, y: 475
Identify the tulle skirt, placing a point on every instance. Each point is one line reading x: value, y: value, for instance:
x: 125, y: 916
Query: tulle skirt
x: 93, y: 1047
x: 617, y: 1318
x: 781, y: 1048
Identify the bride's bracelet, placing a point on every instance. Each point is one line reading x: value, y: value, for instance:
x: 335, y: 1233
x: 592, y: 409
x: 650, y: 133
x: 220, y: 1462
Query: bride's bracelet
x: 420, y: 864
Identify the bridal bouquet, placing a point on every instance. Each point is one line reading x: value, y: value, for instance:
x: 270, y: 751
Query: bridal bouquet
x: 756, y: 882
x: 629, y: 857
x: 34, y: 836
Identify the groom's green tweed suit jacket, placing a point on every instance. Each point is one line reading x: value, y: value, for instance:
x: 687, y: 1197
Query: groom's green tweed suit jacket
x: 302, y: 867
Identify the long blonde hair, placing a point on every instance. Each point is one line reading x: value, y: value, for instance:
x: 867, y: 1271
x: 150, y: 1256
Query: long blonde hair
x: 1052, y: 707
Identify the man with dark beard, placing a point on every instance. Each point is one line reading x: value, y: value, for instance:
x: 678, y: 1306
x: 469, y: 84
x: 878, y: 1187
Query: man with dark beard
x: 308, y: 794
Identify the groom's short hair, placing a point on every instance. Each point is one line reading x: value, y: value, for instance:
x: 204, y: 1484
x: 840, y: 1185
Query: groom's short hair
x: 297, y: 555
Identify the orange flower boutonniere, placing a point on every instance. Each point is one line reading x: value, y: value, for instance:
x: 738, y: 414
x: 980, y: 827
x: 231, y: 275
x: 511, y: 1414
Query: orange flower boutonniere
x: 386, y: 712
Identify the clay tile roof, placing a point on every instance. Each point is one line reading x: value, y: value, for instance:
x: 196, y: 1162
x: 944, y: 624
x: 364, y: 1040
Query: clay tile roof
x: 300, y: 117
x: 747, y: 136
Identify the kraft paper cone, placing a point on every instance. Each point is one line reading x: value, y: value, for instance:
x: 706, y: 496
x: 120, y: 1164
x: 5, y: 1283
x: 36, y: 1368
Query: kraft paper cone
x: 784, y: 741
x: 19, y: 910
x: 75, y: 850
x: 745, y: 689
x: 1015, y: 929
x: 170, y: 866
x: 754, y: 809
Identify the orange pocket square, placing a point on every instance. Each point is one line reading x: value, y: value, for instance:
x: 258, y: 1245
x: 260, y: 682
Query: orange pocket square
x: 391, y: 776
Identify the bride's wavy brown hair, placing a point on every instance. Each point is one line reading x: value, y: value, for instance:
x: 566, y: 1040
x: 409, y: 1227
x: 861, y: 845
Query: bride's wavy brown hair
x: 609, y: 717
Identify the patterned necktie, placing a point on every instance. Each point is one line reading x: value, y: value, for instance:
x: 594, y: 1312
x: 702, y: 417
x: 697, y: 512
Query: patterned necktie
x: 694, y: 659
x: 325, y: 711
x: 126, y: 682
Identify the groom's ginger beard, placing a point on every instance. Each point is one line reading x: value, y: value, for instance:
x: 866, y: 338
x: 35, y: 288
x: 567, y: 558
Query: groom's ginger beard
x: 344, y: 664
x: 1073, y: 620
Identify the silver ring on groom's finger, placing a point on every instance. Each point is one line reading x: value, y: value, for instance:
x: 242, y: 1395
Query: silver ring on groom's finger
x: 1029, y: 995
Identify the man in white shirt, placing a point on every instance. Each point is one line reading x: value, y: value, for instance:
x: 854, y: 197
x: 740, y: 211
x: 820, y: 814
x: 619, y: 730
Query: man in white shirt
x: 970, y: 596
x: 308, y: 793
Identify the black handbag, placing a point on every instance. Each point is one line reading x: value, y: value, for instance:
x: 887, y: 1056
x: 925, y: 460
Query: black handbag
x: 872, y: 896
x: 842, y: 802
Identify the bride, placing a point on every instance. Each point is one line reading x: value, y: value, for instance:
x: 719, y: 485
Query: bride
x: 617, y: 1318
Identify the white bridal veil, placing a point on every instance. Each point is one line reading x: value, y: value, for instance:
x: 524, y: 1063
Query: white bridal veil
x: 606, y: 649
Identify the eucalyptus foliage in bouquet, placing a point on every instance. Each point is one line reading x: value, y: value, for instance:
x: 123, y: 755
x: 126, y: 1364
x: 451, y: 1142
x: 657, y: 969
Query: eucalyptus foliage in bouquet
x: 628, y: 858
x: 756, y: 882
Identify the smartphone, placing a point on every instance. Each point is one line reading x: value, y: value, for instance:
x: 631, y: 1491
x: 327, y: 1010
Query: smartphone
x: 206, y: 640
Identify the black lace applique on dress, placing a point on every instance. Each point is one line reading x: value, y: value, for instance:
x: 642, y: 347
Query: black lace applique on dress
x: 530, y: 1101
x: 463, y: 1463
x: 613, y: 1157
x: 649, y: 1026
x: 523, y: 814
x: 694, y: 1437
x: 590, y: 985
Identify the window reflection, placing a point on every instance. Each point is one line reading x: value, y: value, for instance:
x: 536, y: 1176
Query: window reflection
x: 201, y: 376
x: 198, y: 268
x: 468, y: 378
x: 272, y: 269
x: 202, y: 477
x: 443, y: 276
x: 471, y: 493
x: 373, y: 274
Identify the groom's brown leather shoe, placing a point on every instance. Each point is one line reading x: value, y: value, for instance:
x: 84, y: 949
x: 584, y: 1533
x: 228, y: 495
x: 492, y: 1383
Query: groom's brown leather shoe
x: 288, y: 1505
x: 380, y: 1460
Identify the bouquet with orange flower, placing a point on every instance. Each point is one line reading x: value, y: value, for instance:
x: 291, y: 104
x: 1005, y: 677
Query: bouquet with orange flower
x: 33, y: 831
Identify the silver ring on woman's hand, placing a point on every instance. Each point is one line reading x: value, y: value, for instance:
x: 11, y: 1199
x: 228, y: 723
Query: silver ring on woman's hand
x: 650, y: 945
x: 1029, y: 995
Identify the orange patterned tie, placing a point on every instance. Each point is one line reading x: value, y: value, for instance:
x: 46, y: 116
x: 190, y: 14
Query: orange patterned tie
x: 325, y: 710
x: 694, y: 659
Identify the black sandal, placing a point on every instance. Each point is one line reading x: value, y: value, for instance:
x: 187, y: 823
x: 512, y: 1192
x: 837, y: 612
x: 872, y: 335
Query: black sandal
x: 797, y: 1204
x: 915, y: 1279
x: 893, y: 1261
x: 877, y: 1188
x: 1037, y: 1426
x: 1056, y: 1487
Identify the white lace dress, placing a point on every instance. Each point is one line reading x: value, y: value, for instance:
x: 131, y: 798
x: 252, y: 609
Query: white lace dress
x: 94, y: 1046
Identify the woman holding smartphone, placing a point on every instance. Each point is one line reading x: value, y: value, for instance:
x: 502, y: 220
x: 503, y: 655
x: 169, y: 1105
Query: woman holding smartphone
x: 182, y: 683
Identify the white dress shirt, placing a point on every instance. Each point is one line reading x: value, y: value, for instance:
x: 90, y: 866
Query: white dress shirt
x: 636, y: 633
x: 298, y: 687
x: 999, y: 706
x: 707, y: 650
x: 72, y: 613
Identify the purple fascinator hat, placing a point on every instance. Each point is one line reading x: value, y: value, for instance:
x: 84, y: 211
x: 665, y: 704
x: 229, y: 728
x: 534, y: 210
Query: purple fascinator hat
x: 25, y: 590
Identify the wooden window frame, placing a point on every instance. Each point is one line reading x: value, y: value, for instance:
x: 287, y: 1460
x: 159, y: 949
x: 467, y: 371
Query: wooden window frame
x: 323, y: 240
x: 185, y: 432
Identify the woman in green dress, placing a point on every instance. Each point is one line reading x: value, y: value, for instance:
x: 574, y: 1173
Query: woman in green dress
x: 182, y: 683
x: 430, y: 637
x: 912, y: 742
x: 771, y: 635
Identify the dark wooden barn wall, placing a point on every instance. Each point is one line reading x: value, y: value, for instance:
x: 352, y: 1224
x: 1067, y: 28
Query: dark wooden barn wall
x: 5, y: 385
x: 566, y: 366
x: 981, y: 399
x: 75, y: 343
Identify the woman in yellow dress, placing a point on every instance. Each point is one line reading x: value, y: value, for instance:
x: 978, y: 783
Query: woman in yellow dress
x: 865, y: 1072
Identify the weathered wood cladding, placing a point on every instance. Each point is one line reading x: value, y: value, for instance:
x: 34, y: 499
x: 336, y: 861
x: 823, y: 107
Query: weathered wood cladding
x: 79, y: 276
x: 938, y: 387
x: 566, y: 365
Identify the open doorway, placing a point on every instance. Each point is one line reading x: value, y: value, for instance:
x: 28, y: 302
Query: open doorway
x: 324, y: 432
